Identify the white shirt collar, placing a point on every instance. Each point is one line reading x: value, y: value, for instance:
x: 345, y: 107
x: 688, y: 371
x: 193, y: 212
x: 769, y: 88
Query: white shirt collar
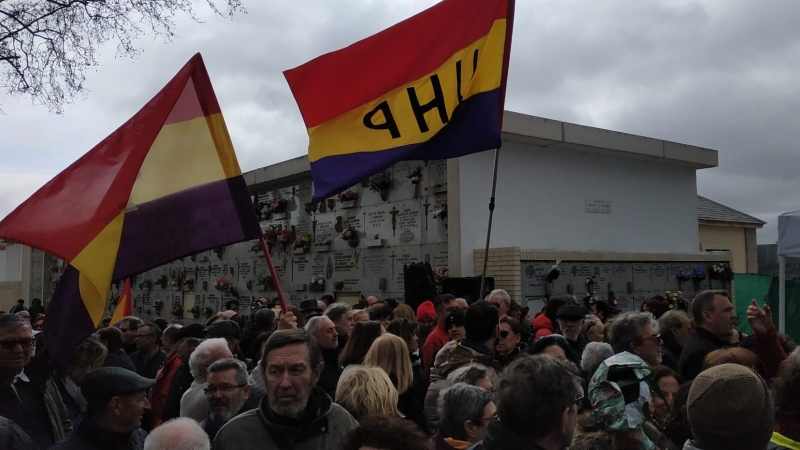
x: 21, y: 376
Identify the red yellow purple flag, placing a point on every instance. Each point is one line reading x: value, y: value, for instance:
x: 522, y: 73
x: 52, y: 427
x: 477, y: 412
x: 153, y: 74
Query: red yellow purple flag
x: 164, y: 185
x: 124, y: 306
x: 430, y: 87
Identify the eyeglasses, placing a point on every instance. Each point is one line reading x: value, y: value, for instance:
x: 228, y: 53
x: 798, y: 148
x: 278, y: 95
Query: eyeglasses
x: 491, y: 418
x: 11, y: 344
x: 504, y: 334
x: 143, y: 336
x: 224, y: 389
x: 590, y: 324
x: 579, y: 400
x: 655, y: 337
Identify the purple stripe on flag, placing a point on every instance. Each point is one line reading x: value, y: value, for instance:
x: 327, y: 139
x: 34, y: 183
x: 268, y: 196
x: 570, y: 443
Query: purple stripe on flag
x: 191, y: 221
x: 67, y: 322
x: 474, y: 127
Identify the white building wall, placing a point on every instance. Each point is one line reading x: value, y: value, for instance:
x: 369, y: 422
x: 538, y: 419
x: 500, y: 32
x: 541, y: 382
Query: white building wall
x: 12, y: 260
x: 541, y: 194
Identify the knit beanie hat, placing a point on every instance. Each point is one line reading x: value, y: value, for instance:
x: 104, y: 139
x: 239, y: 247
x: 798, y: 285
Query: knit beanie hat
x: 730, y: 407
x: 426, y: 311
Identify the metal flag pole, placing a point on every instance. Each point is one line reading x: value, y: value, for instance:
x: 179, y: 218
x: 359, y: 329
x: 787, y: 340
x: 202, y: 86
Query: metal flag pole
x: 489, y: 229
x: 274, y: 274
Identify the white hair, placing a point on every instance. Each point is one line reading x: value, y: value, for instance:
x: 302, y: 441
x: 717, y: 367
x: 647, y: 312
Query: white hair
x: 314, y: 324
x: 206, y: 353
x: 182, y: 433
x: 594, y: 354
x: 503, y: 293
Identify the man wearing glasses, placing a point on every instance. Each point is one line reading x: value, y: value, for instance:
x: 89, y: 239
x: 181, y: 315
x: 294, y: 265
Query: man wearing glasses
x: 228, y: 393
x: 149, y: 356
x: 33, y: 403
x: 637, y: 333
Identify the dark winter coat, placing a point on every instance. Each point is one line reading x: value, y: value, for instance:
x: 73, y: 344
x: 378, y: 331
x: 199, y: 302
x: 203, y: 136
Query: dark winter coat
x: 331, y: 372
x: 90, y: 437
x: 323, y: 427
x: 499, y: 437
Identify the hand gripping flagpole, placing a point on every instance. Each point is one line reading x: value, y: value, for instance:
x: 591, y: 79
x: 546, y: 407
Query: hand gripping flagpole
x: 274, y: 275
x: 489, y: 229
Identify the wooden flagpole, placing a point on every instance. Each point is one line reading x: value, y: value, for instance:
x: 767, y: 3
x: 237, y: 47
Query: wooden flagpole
x: 275, y: 281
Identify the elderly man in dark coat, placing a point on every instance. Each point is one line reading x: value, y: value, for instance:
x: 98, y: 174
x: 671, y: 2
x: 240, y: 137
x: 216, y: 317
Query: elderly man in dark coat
x: 116, y: 400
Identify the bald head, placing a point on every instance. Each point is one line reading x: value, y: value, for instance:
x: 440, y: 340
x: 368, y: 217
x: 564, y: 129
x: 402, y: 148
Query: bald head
x: 178, y: 434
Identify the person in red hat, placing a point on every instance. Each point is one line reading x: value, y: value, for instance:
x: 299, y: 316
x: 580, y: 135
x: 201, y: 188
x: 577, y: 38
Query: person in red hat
x: 443, y: 304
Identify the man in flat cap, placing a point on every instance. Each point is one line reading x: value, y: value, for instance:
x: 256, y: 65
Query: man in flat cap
x: 116, y: 400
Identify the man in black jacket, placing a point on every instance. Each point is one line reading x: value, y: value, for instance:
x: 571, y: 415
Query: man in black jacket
x: 28, y: 397
x: 675, y: 330
x: 324, y: 331
x: 715, y: 322
x: 116, y: 400
x: 149, y: 356
x: 263, y: 322
x: 545, y: 424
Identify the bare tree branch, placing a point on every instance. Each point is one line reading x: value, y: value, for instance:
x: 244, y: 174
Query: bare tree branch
x: 46, y: 46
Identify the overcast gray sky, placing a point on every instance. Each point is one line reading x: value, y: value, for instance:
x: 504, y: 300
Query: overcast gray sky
x: 723, y: 74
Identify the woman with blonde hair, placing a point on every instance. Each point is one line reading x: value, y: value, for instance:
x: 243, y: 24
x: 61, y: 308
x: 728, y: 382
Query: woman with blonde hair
x: 367, y: 391
x: 390, y: 353
x: 404, y: 312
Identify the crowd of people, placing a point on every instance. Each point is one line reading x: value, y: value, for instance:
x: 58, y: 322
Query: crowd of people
x: 452, y: 375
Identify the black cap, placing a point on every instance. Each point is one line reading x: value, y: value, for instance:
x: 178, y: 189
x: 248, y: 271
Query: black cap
x: 571, y: 312
x: 309, y: 305
x: 455, y: 318
x: 224, y: 329
x: 107, y: 382
x: 194, y: 330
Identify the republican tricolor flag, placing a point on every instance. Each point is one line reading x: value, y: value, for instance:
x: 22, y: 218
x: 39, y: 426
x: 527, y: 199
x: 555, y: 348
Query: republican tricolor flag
x: 124, y: 305
x: 164, y: 185
x: 430, y: 87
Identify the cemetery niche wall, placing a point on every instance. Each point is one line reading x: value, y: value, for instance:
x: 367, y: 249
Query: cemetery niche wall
x: 630, y: 282
x: 350, y: 245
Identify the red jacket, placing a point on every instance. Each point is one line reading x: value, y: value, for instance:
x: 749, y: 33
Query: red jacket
x: 435, y: 341
x: 158, y: 395
x: 543, y: 326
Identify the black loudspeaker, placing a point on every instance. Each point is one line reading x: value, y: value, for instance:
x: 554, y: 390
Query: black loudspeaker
x: 467, y: 287
x: 418, y: 284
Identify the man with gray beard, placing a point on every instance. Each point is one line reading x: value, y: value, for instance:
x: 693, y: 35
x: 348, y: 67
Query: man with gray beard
x: 570, y: 322
x: 295, y: 414
x: 228, y: 393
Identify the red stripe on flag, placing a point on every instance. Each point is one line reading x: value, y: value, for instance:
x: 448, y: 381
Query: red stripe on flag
x: 70, y: 210
x: 339, y: 81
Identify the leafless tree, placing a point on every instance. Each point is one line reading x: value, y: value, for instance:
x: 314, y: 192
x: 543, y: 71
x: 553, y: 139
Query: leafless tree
x: 46, y: 46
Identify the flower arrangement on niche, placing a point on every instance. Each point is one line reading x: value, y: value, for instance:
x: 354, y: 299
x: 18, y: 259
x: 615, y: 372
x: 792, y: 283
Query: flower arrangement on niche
x: 177, y: 310
x: 553, y: 273
x: 699, y: 274
x: 440, y: 273
x: 380, y: 182
x: 721, y: 271
x: 684, y: 275
x: 350, y: 234
x: 221, y: 285
x: 304, y: 242
x: 416, y: 175
x: 348, y: 196
x: 279, y: 205
x: 317, y: 284
x: 441, y: 213
x: 677, y: 300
